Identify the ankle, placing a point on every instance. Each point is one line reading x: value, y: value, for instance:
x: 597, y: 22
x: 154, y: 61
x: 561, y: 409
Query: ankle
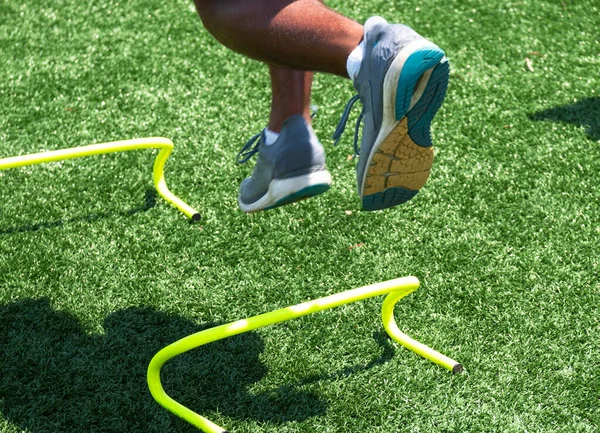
x: 277, y: 120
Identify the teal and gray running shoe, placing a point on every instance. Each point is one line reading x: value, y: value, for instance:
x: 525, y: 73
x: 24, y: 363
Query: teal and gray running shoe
x: 402, y: 83
x: 289, y: 170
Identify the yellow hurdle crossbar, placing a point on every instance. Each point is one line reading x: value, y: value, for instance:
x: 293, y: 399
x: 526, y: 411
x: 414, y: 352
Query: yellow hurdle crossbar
x: 164, y: 144
x: 395, y: 290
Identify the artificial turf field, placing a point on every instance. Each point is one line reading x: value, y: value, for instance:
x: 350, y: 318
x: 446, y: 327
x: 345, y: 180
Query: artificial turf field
x: 97, y: 273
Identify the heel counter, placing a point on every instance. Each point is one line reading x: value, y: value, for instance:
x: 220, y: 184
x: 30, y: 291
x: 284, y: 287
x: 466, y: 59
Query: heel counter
x: 300, y: 151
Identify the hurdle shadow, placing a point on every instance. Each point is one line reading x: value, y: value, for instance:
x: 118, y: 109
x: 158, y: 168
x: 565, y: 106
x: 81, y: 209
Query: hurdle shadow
x: 150, y: 197
x: 55, y: 377
x: 585, y: 113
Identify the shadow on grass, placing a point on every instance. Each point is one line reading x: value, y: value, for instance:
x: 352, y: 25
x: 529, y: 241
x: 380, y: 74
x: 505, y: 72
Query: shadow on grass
x: 585, y: 113
x: 149, y: 202
x: 55, y: 377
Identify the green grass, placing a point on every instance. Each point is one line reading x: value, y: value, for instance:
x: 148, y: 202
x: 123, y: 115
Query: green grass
x: 97, y: 273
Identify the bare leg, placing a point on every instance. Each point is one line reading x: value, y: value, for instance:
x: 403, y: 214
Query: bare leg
x: 292, y: 36
x: 290, y: 95
x: 298, y: 34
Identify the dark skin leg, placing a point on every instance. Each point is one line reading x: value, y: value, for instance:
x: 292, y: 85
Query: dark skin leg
x: 290, y: 95
x: 298, y: 34
x: 292, y: 36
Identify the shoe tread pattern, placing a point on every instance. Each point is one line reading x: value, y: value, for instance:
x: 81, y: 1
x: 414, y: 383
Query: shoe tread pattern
x: 402, y: 162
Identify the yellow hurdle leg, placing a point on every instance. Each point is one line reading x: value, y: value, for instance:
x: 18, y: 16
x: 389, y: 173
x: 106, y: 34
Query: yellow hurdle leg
x: 165, y: 145
x: 396, y: 290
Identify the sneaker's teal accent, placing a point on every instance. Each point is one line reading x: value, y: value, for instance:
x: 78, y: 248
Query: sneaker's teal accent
x: 289, y: 170
x: 401, y: 83
x: 390, y: 197
x: 421, y: 115
x: 414, y: 67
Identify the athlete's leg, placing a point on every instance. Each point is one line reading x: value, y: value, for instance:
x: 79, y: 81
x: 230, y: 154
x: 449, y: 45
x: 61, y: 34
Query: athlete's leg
x: 291, y: 161
x: 299, y: 34
x: 290, y: 166
x: 290, y: 94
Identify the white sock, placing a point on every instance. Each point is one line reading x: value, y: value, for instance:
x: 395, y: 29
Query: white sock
x: 270, y: 137
x: 354, y: 60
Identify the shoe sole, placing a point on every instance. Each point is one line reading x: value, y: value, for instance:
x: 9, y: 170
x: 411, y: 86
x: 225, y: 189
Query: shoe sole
x: 401, y: 158
x: 286, y: 191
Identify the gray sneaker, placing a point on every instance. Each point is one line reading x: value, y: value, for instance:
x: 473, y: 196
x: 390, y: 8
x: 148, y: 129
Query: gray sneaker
x: 402, y: 83
x: 289, y: 170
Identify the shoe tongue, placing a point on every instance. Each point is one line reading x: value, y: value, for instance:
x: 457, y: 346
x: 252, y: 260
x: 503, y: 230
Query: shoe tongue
x: 373, y: 23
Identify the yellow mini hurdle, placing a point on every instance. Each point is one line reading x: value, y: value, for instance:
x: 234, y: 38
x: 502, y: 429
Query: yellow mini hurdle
x: 395, y: 290
x: 164, y: 144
